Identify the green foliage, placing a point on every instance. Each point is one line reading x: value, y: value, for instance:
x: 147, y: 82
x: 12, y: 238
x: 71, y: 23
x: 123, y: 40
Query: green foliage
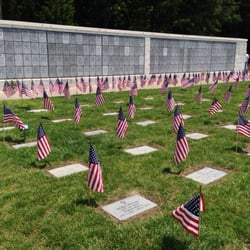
x: 39, y: 211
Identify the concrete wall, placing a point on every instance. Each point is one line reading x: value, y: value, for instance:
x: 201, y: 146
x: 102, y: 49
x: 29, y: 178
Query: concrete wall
x: 33, y: 50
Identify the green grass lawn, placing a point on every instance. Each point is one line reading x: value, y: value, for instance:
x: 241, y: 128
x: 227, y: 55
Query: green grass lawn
x: 39, y: 211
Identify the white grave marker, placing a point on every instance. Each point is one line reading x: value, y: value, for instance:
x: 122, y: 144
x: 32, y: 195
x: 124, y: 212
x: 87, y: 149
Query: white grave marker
x: 110, y: 113
x: 37, y: 110
x: 95, y: 132
x: 145, y: 108
x: 140, y: 150
x: 196, y: 136
x: 145, y: 123
x: 129, y: 207
x: 68, y: 170
x: 231, y: 126
x: 6, y: 128
x: 206, y: 175
x: 61, y: 120
x: 28, y: 144
x: 186, y: 116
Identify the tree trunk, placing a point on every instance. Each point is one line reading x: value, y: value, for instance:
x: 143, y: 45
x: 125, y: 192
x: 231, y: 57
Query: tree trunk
x: 1, y: 14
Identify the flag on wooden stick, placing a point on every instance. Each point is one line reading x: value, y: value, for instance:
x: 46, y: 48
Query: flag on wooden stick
x: 95, y: 181
x: 177, y: 119
x: 131, y: 108
x: 47, y: 103
x: 99, y: 98
x: 243, y: 126
x: 78, y: 111
x: 215, y: 107
x: 169, y: 102
x: 122, y: 125
x: 9, y: 116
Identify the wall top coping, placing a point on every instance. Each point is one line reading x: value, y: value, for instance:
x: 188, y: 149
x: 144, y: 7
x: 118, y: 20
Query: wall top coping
x: 102, y: 31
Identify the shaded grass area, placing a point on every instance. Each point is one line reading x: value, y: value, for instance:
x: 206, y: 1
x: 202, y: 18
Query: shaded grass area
x: 42, y: 212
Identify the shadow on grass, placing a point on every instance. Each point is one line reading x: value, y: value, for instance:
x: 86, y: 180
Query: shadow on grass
x: 9, y: 139
x: 170, y: 243
x: 40, y: 164
x: 90, y: 202
x: 238, y: 149
x: 170, y: 171
x: 45, y: 118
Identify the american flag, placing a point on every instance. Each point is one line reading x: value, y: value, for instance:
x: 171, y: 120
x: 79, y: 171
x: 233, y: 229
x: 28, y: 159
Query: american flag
x: 51, y: 87
x: 159, y: 81
x: 47, y: 103
x: 236, y: 82
x: 164, y: 86
x: 131, y: 108
x: 188, y: 214
x: 177, y: 119
x: 8, y: 90
x: 33, y: 87
x: 187, y: 82
x: 78, y: 111
x: 99, y: 98
x: 9, y: 116
x: 43, y: 146
x: 26, y: 91
x: 41, y: 87
x: 243, y: 126
x: 79, y: 85
x: 169, y: 102
x: 66, y: 90
x: 215, y: 106
x: 122, y: 125
x: 90, y: 85
x: 151, y: 80
x: 214, y: 77
x: 113, y: 82
x: 248, y: 90
x: 228, y: 94
x: 181, y: 146
x: 128, y: 84
x: 207, y: 77
x: 143, y: 80
x: 198, y: 97
x: 213, y: 87
x: 119, y: 85
x: 244, y: 106
x: 60, y: 86
x: 175, y: 80
x: 95, y: 180
x: 134, y: 90
x: 105, y: 84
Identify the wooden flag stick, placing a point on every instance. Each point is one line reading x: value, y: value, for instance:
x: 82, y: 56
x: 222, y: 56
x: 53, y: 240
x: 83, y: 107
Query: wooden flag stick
x: 198, y: 238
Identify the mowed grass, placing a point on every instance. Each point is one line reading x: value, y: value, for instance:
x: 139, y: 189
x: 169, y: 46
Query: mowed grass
x: 39, y: 211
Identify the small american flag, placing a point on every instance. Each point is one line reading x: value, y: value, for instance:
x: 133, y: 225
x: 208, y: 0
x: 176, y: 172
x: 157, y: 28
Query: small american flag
x: 215, y: 107
x: 47, y: 104
x: 164, y: 86
x: 8, y: 90
x: 159, y: 81
x: 143, y: 80
x: 243, y: 126
x: 188, y: 214
x: 51, y: 87
x: 43, y: 146
x: 248, y: 90
x: 41, y: 87
x: 122, y: 125
x: 131, y: 108
x: 244, y: 106
x: 169, y: 102
x: 90, y: 85
x: 236, y: 82
x: 26, y: 91
x: 99, y: 99
x: 134, y: 90
x: 119, y: 85
x: 66, y: 90
x: 113, y: 82
x: 95, y: 180
x: 181, y: 146
x: 78, y: 111
x: 9, y: 116
x: 79, y: 85
x: 177, y: 119
x: 198, y: 97
x: 187, y: 83
x: 33, y: 87
x: 207, y: 77
x: 60, y: 86
x: 213, y: 87
x: 228, y: 94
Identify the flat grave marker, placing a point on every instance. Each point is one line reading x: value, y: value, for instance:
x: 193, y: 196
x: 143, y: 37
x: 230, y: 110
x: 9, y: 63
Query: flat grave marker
x: 145, y: 123
x: 27, y: 144
x: 110, y: 113
x: 61, y: 120
x: 95, y: 132
x: 206, y: 175
x: 196, y: 136
x: 140, y: 150
x: 128, y: 207
x: 6, y: 128
x: 186, y: 116
x: 230, y: 126
x: 37, y: 110
x: 205, y: 100
x: 149, y: 98
x: 118, y: 102
x: 146, y: 108
x: 68, y: 170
